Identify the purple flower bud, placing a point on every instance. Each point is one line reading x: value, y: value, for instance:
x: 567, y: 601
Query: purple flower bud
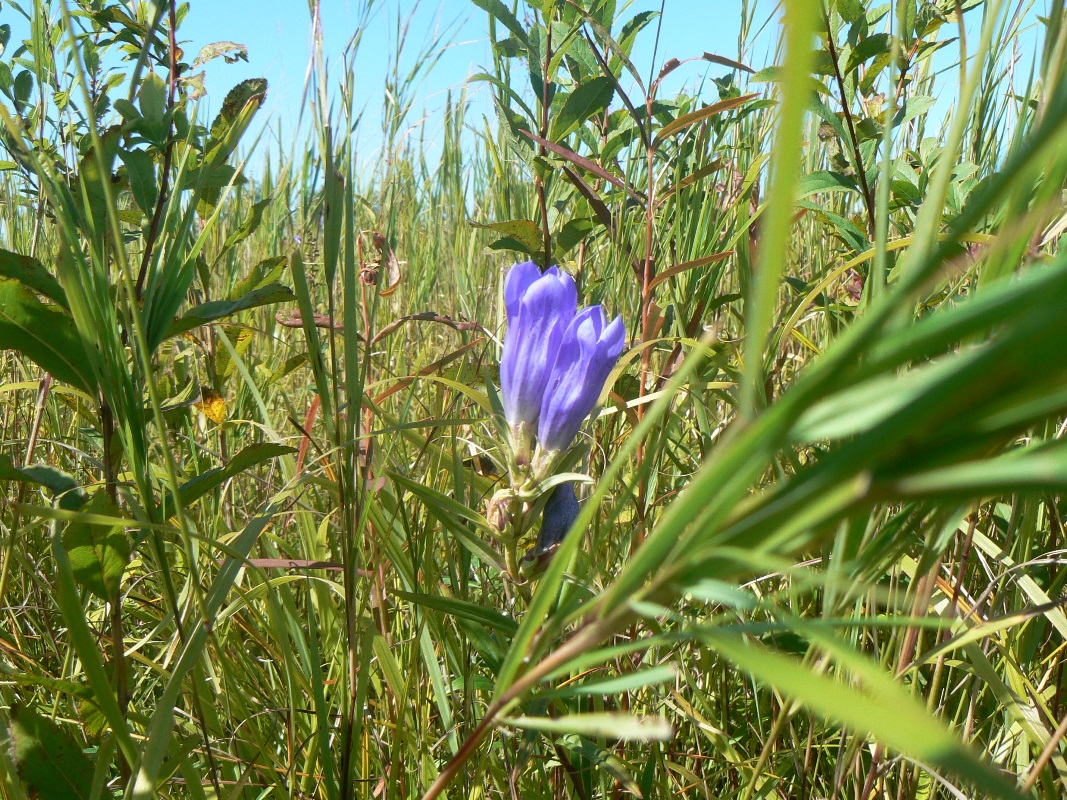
x: 589, y: 349
x: 539, y: 308
x: 560, y: 512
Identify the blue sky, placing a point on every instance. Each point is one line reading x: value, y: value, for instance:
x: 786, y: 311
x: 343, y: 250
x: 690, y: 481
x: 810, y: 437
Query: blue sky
x: 277, y: 34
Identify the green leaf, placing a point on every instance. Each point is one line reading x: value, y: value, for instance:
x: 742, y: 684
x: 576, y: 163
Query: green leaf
x: 269, y: 270
x: 142, y: 175
x: 825, y: 181
x: 619, y: 727
x: 50, y: 763
x: 43, y: 334
x: 523, y: 232
x: 67, y: 491
x: 878, y: 706
x: 503, y: 15
x: 867, y: 48
x: 850, y: 10
x: 218, y: 309
x: 463, y: 609
x: 912, y: 108
x: 30, y: 272
x: 152, y: 99
x: 98, y: 553
x: 241, y: 103
x: 248, y: 227
x: 194, y: 489
x: 587, y: 100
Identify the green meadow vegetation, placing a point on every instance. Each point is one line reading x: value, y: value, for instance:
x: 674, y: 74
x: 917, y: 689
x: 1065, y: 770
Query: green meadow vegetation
x: 250, y: 420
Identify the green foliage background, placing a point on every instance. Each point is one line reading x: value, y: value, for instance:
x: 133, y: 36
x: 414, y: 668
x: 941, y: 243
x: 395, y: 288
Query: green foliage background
x: 248, y: 422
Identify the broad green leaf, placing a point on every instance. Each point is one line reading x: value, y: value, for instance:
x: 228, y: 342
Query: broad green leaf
x: 588, y: 99
x: 43, y: 334
x: 98, y: 553
x: 912, y: 108
x: 825, y: 181
x: 267, y: 271
x: 522, y: 232
x: 51, y: 765
x: 867, y: 48
x: 152, y: 99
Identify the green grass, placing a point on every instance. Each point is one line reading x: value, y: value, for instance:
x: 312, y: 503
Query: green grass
x: 820, y: 556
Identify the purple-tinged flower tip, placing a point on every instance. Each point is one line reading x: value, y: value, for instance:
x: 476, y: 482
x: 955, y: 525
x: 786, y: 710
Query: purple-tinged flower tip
x: 539, y: 308
x: 588, y: 351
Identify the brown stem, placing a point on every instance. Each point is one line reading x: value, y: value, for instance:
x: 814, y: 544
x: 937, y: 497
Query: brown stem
x: 868, y: 197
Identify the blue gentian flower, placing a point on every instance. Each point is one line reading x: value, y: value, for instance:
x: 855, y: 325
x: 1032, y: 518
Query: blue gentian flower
x: 539, y: 309
x: 585, y: 356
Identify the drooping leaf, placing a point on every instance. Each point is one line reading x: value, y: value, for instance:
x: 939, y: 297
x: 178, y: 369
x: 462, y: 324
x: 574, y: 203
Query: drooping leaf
x: 504, y: 16
x: 218, y: 309
x: 31, y: 272
x: 231, y: 51
x: 44, y: 334
x: 98, y: 553
x: 62, y: 484
x: 519, y: 234
x: 50, y: 763
x: 269, y: 270
x: 681, y: 123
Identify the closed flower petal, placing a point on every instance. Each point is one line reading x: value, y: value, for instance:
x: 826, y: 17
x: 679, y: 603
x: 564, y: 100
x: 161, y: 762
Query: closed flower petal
x: 560, y: 512
x: 520, y: 277
x: 587, y: 352
x: 539, y: 310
